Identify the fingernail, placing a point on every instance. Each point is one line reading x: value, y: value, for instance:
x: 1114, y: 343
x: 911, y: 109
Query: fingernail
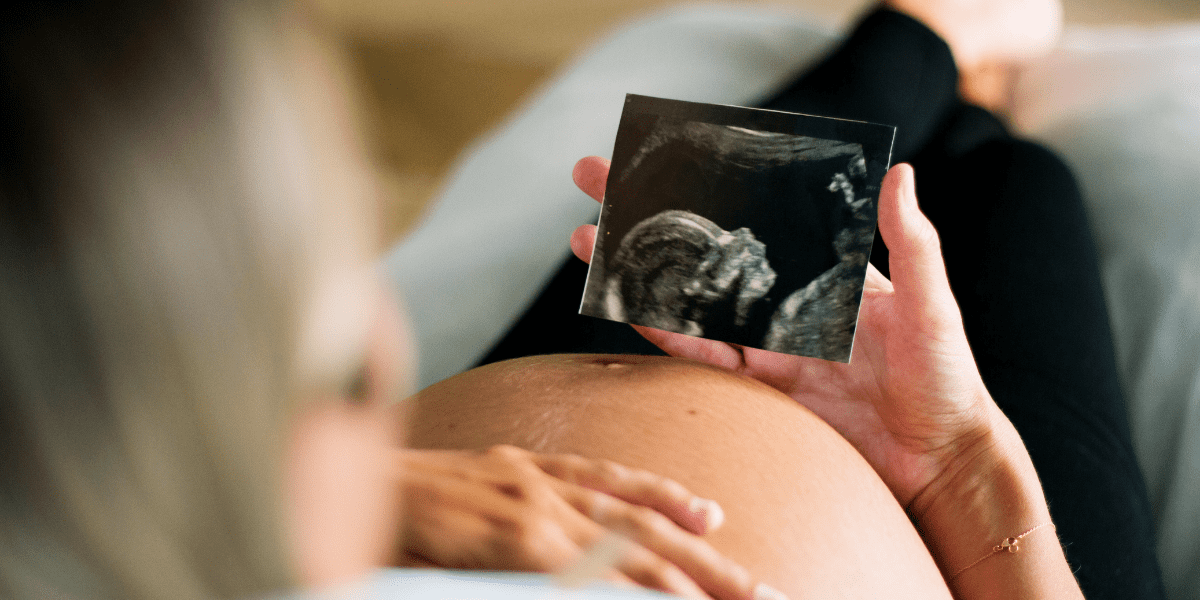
x: 763, y: 591
x: 712, y: 512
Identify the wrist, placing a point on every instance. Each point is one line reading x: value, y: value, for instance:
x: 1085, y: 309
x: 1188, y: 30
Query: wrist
x: 989, y: 493
x: 986, y: 523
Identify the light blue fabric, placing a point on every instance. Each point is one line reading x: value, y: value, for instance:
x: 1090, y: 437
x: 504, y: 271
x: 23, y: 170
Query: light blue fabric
x: 431, y: 584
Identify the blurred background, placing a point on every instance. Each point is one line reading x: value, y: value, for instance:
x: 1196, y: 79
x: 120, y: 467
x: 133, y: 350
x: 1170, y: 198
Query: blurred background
x: 435, y: 74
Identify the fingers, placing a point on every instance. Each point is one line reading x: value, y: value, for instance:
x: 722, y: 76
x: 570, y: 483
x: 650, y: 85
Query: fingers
x: 458, y: 523
x: 508, y: 508
x: 591, y: 175
x: 655, y: 572
x: 667, y: 544
x: 583, y: 240
x: 635, y: 486
x: 712, y: 352
x: 658, y: 513
x: 633, y: 563
x: 917, y: 269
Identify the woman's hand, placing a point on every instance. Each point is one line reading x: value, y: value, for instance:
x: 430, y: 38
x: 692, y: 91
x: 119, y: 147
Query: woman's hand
x: 911, y: 400
x: 510, y: 509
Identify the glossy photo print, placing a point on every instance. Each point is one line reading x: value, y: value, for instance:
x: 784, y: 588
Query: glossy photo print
x: 742, y: 225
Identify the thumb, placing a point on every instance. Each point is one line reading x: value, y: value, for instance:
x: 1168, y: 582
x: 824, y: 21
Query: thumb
x: 917, y: 269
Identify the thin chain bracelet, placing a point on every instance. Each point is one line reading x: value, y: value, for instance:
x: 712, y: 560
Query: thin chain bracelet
x: 1009, y: 545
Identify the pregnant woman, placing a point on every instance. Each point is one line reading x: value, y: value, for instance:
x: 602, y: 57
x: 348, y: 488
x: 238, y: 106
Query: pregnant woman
x: 1021, y: 271
x: 818, y: 506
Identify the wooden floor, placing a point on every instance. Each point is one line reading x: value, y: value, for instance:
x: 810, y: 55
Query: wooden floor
x: 435, y: 74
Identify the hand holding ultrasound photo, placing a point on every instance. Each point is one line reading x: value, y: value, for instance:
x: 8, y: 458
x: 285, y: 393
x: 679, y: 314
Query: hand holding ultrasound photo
x: 746, y: 226
x: 912, y: 402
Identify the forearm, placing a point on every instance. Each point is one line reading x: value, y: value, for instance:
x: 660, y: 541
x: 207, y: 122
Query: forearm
x: 994, y: 495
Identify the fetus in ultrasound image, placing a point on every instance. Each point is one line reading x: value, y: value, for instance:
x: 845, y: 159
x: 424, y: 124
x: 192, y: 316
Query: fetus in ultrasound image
x: 677, y: 270
x: 736, y: 225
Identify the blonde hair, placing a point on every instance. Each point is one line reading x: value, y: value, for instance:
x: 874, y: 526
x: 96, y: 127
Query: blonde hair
x: 156, y: 247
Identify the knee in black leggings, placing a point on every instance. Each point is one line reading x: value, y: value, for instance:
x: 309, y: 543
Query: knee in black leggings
x: 1024, y: 269
x: 1022, y: 263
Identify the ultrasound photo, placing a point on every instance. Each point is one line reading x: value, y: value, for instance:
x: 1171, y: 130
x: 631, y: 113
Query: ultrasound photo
x: 747, y: 226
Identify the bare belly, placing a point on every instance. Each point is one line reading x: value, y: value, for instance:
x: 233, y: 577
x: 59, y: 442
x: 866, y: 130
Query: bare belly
x: 804, y: 512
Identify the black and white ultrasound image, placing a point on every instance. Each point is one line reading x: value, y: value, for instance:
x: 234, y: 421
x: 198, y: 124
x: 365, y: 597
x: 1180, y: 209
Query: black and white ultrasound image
x: 746, y: 226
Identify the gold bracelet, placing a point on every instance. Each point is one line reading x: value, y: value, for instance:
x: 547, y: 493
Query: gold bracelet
x: 1009, y: 545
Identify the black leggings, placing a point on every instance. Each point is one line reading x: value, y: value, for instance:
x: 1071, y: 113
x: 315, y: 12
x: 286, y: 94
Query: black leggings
x: 1023, y: 268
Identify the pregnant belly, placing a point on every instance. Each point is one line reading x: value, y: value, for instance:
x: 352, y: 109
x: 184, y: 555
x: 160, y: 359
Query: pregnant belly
x: 804, y: 511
